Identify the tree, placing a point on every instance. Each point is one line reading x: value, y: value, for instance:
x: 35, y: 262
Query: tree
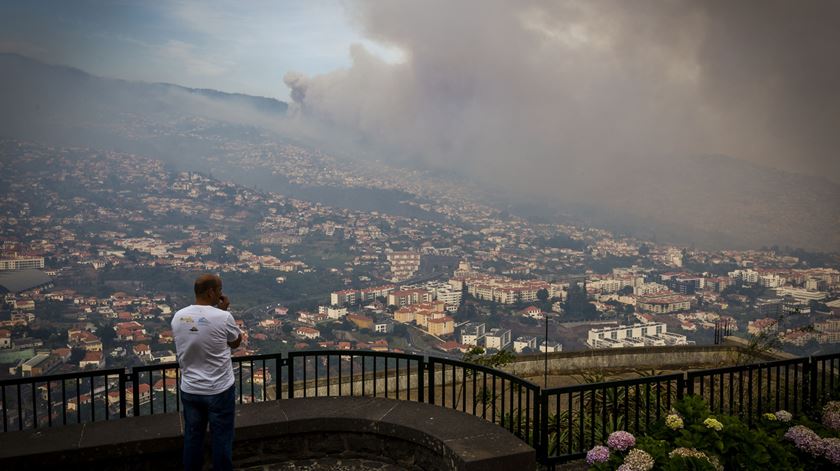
x: 542, y: 294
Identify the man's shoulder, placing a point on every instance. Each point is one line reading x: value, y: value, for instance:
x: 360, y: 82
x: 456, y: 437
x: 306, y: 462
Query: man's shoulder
x: 191, y: 309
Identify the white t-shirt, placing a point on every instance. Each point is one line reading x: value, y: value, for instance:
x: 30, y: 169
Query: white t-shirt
x: 201, y: 337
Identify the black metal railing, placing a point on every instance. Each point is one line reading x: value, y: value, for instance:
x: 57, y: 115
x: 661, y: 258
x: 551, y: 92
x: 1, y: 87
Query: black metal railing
x: 72, y: 398
x: 578, y: 417
x: 493, y: 395
x: 750, y: 390
x: 560, y: 423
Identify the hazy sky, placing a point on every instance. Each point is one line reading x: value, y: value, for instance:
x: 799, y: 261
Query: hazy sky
x: 230, y: 45
x: 501, y: 86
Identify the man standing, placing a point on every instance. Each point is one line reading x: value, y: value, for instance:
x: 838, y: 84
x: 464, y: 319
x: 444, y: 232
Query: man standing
x: 205, y: 332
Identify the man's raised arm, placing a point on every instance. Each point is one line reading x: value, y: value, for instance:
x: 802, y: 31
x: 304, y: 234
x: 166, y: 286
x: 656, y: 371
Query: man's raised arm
x: 235, y: 343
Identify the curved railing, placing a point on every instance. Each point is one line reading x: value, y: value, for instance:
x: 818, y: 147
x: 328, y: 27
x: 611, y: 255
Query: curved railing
x: 560, y: 423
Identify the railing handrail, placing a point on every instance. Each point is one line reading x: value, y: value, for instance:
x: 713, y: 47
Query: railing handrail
x: 62, y: 376
x: 611, y: 384
x: 357, y: 353
x: 415, y: 357
x: 749, y: 366
x: 486, y: 369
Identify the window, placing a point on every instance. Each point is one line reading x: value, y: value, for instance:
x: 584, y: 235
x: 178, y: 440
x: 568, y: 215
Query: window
x: 614, y: 335
x: 628, y: 333
x: 601, y: 336
x: 659, y: 329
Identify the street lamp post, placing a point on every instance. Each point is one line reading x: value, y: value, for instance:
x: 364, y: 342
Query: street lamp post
x: 545, y: 379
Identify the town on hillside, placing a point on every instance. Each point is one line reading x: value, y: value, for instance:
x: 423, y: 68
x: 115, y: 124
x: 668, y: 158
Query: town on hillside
x: 99, y: 249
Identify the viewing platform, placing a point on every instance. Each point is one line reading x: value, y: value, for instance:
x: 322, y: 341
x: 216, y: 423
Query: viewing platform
x: 370, y: 432
x: 386, y: 410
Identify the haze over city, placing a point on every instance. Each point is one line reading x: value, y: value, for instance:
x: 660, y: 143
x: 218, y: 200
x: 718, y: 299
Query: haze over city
x: 560, y: 193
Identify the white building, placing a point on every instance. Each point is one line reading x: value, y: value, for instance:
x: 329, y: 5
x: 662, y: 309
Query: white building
x: 333, y: 312
x: 636, y: 335
x: 645, y: 289
x: 403, y: 265
x: 550, y: 347
x: 771, y: 281
x: 472, y: 333
x: 451, y: 297
x: 745, y: 276
x: 801, y: 295
x: 22, y: 263
x: 497, y: 338
x: 524, y: 342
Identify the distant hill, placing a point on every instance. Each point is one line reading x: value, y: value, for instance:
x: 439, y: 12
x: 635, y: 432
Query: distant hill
x: 709, y: 201
x: 48, y: 101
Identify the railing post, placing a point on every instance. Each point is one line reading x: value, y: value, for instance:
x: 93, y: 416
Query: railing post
x: 689, y: 384
x: 135, y: 386
x: 681, y: 382
x: 431, y: 365
x: 542, y: 451
x: 421, y: 380
x: 536, y: 427
x: 290, y: 368
x: 812, y: 383
x: 122, y: 379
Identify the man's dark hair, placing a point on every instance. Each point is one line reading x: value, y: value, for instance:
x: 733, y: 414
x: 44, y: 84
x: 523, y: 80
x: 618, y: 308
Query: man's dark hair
x: 205, y: 283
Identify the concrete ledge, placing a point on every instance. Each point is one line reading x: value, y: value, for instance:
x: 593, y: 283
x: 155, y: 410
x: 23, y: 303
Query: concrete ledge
x: 407, y: 434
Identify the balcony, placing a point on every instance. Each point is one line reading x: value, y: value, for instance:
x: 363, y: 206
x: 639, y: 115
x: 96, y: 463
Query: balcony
x: 401, y: 409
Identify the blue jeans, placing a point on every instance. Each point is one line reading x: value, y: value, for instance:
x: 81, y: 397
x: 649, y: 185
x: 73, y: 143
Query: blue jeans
x: 218, y: 410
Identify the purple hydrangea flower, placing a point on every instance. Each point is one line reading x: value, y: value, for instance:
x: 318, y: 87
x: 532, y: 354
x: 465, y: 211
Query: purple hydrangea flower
x: 599, y: 454
x: 805, y: 439
x: 784, y: 416
x: 621, y: 440
x: 831, y: 450
x: 831, y: 415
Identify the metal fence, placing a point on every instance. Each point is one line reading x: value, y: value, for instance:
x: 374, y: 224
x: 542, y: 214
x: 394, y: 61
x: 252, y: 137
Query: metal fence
x: 560, y: 423
x: 578, y: 417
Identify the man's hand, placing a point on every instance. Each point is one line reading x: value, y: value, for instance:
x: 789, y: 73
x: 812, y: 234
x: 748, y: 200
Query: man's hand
x: 224, y: 303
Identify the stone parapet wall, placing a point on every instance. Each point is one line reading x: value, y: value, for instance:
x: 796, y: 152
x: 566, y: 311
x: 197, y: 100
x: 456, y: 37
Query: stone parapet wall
x: 397, y: 434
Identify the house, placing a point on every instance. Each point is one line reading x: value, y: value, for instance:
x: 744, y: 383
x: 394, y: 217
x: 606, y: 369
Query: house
x: 533, y: 312
x: 142, y: 350
x: 164, y: 356
x: 62, y: 353
x: 93, y: 359
x: 311, y: 318
x: 171, y: 385
x: 362, y: 322
x: 307, y: 333
x: 441, y: 326
x: 271, y: 325
x: 383, y: 326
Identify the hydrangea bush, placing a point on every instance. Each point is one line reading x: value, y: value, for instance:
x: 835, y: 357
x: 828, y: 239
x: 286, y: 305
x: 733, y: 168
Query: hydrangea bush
x: 691, y: 438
